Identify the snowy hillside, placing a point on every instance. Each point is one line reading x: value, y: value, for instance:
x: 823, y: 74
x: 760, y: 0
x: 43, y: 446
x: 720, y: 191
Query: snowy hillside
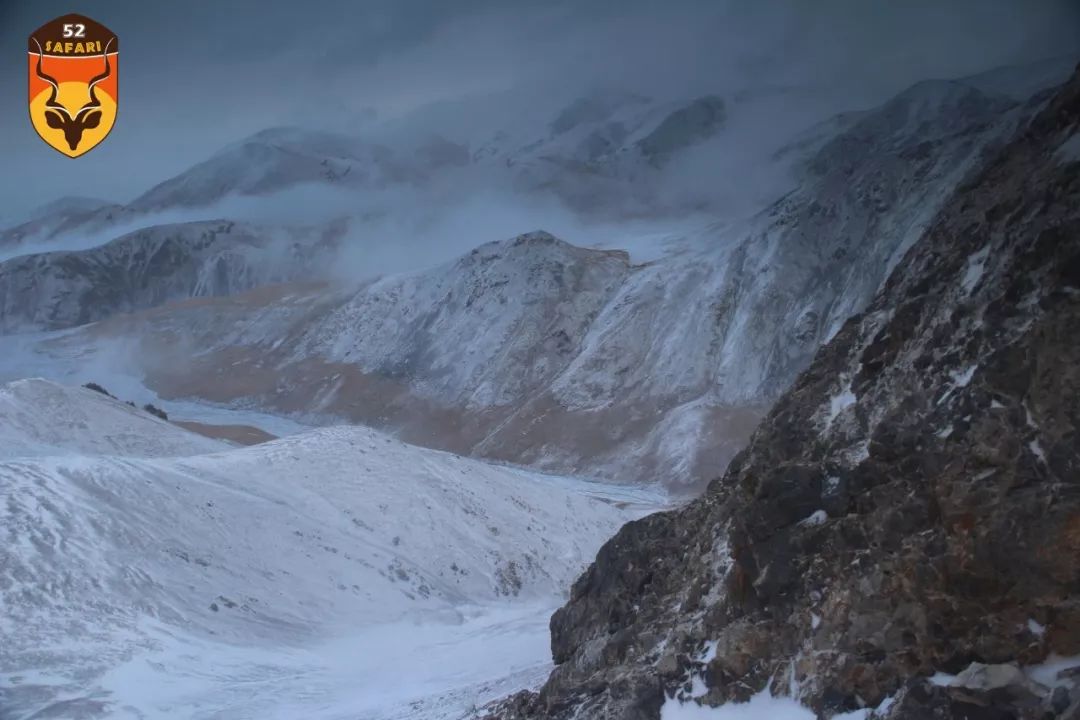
x: 120, y: 566
x: 593, y: 141
x: 271, y: 160
x: 148, y: 267
x: 41, y: 418
x: 609, y: 153
x: 478, y: 322
x: 603, y: 154
x: 533, y: 350
x: 582, y: 361
x: 52, y: 220
x: 599, y: 154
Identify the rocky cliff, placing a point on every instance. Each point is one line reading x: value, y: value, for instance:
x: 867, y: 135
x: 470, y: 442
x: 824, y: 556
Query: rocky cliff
x: 909, y: 510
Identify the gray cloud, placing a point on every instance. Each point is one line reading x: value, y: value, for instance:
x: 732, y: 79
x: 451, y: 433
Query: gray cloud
x: 197, y: 75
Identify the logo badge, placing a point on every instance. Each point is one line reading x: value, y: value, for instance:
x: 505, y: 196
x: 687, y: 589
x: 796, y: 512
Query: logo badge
x: 73, y: 64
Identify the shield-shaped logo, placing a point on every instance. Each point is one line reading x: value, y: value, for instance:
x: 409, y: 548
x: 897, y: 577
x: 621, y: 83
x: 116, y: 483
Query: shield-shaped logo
x: 73, y: 86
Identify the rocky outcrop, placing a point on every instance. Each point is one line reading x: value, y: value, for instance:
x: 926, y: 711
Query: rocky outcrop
x: 910, y: 506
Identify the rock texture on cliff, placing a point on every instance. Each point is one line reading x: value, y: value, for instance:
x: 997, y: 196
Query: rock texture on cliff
x: 910, y: 507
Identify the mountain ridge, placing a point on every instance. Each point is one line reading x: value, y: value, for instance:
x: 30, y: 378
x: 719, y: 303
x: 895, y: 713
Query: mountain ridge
x: 621, y: 371
x: 906, y: 508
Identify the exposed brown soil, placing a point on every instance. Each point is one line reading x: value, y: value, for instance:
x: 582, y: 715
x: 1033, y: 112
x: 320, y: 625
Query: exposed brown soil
x: 173, y: 343
x: 239, y: 434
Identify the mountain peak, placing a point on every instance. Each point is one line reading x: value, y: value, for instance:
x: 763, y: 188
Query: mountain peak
x: 542, y: 237
x: 539, y: 245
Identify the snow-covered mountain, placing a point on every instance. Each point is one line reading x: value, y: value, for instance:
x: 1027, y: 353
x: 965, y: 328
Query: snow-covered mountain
x: 603, y: 154
x: 273, y: 160
x: 584, y: 361
x: 148, y: 267
x: 150, y: 572
x: 899, y: 539
x: 531, y: 349
x: 125, y: 563
x: 52, y: 220
x: 604, y: 137
x: 587, y: 155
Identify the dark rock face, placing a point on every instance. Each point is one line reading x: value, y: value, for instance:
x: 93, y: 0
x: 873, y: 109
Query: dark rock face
x: 910, y: 506
x: 98, y: 388
x: 156, y: 411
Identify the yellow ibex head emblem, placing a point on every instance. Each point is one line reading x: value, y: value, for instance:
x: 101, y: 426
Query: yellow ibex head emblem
x: 73, y: 83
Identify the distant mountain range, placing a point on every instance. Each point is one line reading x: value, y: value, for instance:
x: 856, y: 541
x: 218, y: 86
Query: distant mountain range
x: 529, y: 350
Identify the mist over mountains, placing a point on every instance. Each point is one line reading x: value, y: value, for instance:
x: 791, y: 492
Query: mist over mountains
x: 485, y: 66
x: 696, y: 306
x: 735, y: 335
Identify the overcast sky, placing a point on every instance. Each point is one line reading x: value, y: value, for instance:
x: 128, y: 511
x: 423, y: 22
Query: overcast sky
x: 196, y: 75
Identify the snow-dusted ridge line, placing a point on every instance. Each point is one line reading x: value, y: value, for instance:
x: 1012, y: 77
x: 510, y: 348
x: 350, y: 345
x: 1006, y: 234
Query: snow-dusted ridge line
x: 42, y: 418
x: 535, y: 351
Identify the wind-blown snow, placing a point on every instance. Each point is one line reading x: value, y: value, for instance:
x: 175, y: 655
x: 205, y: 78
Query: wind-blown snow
x: 111, y: 365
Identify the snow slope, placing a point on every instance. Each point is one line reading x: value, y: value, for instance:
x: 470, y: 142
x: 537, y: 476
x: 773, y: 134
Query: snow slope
x: 532, y: 350
x: 128, y: 583
x: 153, y: 265
x: 41, y: 418
x: 270, y: 160
x: 42, y: 224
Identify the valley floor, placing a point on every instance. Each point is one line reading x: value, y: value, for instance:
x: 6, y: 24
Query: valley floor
x: 150, y: 573
x: 425, y: 668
